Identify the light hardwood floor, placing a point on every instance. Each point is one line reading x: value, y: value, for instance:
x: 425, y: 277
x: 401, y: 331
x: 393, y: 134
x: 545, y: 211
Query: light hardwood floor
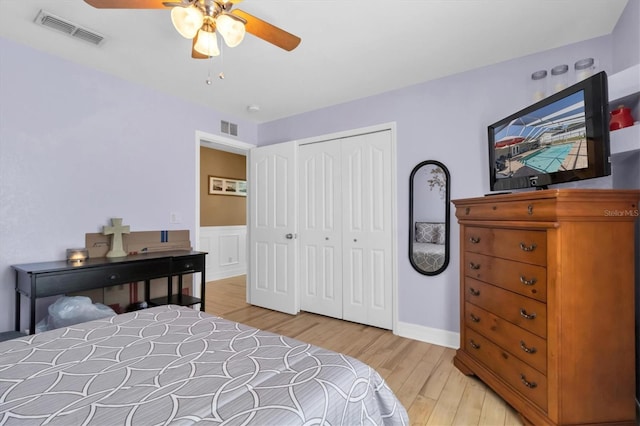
x: 422, y: 375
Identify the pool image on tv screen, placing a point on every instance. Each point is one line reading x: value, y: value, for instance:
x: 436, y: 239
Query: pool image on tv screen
x: 547, y: 140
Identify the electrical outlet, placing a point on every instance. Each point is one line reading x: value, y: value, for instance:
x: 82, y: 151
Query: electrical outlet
x: 175, y: 217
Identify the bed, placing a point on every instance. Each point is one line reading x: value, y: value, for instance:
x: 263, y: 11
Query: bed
x: 428, y: 245
x: 175, y: 365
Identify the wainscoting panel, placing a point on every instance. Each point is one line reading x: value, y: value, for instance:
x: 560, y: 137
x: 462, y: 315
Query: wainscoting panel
x: 227, y: 248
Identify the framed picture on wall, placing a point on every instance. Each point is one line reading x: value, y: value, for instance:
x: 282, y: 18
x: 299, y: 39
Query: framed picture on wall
x: 242, y: 187
x: 226, y: 186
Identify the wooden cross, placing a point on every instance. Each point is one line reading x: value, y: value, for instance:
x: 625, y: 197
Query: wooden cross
x: 116, y: 229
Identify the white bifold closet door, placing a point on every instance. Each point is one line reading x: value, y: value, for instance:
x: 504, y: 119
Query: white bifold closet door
x: 345, y: 228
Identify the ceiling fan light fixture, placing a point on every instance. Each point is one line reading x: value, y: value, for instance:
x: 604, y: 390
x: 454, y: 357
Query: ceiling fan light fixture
x: 187, y: 20
x: 206, y: 43
x: 231, y: 30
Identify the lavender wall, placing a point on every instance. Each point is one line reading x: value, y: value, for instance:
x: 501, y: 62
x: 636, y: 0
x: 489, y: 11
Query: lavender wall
x: 78, y: 147
x: 442, y: 120
x: 626, y: 37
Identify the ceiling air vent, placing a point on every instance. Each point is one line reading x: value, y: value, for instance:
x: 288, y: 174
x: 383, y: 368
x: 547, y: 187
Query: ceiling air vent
x: 49, y: 20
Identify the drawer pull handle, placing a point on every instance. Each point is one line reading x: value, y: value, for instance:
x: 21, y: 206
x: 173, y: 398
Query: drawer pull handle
x: 188, y: 266
x: 524, y: 314
x: 528, y: 350
x: 474, y: 240
x: 474, y: 318
x: 474, y: 265
x: 474, y: 292
x: 113, y: 277
x: 473, y: 344
x: 524, y: 247
x: 530, y: 385
x: 525, y: 281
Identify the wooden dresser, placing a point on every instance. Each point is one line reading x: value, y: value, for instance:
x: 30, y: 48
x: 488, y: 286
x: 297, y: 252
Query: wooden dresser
x: 547, y: 302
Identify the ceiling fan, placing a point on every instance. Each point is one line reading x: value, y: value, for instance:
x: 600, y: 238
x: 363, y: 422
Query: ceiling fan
x: 200, y: 20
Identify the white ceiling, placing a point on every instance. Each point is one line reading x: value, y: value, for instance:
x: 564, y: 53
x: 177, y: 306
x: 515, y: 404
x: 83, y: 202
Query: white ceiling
x: 350, y: 48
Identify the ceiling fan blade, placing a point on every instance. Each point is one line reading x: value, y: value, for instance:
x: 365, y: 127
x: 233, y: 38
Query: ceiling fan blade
x: 194, y: 53
x: 126, y: 4
x: 268, y: 32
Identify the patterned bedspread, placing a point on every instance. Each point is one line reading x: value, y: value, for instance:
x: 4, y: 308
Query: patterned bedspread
x: 176, y: 365
x: 428, y: 256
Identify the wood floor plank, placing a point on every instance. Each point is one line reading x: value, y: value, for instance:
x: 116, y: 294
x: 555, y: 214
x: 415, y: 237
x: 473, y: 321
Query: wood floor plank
x: 406, y: 367
x: 493, y: 410
x: 447, y: 406
x: 379, y: 351
x: 410, y: 390
x: 511, y: 418
x: 432, y: 388
x: 470, y: 407
x: 420, y: 410
x: 421, y: 375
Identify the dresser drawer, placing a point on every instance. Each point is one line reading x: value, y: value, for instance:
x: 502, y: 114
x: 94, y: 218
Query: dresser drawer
x: 90, y: 278
x: 525, y: 345
x: 522, y: 311
x: 528, y: 210
x: 515, y: 244
x: 524, y: 278
x: 526, y: 380
x: 187, y: 264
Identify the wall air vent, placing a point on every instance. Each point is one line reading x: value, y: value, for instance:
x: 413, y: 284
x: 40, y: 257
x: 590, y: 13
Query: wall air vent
x: 229, y: 128
x: 54, y: 22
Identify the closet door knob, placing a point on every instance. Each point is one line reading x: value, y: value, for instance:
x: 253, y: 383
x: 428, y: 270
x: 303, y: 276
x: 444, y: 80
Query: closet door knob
x: 289, y: 236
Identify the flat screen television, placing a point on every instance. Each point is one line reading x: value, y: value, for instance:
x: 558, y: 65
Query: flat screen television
x: 562, y: 138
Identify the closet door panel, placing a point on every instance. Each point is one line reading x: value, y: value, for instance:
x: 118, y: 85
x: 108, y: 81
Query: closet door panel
x: 367, y: 229
x: 320, y: 228
x: 272, y: 221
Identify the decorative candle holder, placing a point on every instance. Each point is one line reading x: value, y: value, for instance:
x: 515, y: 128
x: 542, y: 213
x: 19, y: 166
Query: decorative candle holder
x: 77, y: 256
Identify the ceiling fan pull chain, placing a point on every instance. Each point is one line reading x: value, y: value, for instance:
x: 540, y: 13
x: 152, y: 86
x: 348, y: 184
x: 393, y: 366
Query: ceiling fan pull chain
x: 221, y: 75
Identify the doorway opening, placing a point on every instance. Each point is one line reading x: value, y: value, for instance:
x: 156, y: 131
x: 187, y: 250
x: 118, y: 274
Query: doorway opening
x: 226, y: 245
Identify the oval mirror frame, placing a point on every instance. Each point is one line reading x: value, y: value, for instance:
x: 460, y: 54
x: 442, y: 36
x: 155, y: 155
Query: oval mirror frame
x: 425, y: 254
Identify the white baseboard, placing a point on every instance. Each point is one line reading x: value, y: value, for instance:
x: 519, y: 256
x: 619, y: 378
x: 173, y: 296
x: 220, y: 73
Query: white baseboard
x: 434, y: 336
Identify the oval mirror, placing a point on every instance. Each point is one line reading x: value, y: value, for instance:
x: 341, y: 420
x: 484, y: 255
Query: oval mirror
x: 429, y: 217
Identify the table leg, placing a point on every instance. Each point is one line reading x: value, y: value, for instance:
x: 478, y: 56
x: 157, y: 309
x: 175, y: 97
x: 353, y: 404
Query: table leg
x: 32, y: 315
x: 147, y: 291
x: 203, y: 283
x: 17, y: 310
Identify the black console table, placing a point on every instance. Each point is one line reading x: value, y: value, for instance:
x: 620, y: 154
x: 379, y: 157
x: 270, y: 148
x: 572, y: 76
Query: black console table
x: 36, y: 280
